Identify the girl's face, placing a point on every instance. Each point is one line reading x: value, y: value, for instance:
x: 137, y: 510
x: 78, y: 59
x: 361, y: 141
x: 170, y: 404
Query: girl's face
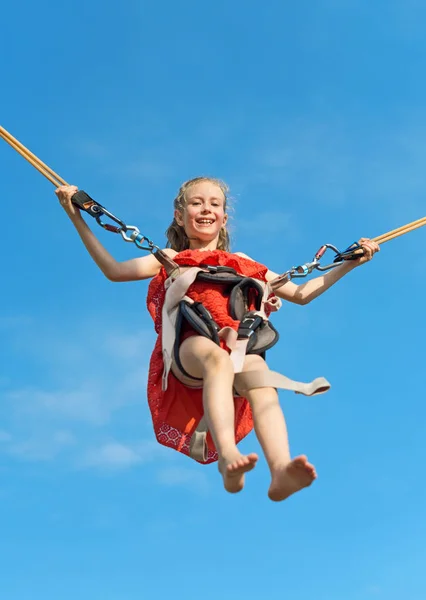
x: 204, y: 214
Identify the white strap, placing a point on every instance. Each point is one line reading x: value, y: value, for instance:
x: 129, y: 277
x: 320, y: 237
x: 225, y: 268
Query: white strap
x: 175, y: 292
x: 249, y: 380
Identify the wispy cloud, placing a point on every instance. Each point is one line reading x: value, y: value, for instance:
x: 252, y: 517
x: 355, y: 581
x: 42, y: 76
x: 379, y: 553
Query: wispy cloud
x: 71, y: 418
x: 78, y: 398
x: 83, y: 360
x: 113, y: 455
x: 145, y: 168
x: 309, y: 154
x: 111, y: 157
x: 92, y: 149
x: 85, y: 405
x: 333, y: 165
x: 40, y: 447
x: 181, y: 476
x: 268, y: 222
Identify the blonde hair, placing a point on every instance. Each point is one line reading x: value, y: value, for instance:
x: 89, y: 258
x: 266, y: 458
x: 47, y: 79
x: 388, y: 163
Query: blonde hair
x: 175, y: 233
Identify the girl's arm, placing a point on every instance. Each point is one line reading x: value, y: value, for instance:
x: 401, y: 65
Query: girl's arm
x: 306, y: 292
x: 131, y: 270
x: 311, y: 289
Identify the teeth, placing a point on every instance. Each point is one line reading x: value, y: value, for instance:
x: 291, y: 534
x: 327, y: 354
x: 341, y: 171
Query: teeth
x: 205, y: 222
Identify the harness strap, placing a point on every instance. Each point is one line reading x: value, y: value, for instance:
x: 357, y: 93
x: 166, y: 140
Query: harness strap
x: 198, y: 445
x: 171, y: 268
x: 238, y: 341
x: 249, y: 380
x: 243, y: 382
x: 238, y: 354
x: 176, y: 290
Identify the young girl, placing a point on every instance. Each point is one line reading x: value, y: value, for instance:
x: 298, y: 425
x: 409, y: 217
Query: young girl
x: 198, y: 236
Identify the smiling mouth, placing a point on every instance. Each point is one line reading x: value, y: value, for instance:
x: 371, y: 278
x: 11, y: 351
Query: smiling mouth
x: 205, y: 222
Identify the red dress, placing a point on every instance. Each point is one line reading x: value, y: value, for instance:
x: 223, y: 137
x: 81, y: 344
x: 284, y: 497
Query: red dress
x: 176, y: 411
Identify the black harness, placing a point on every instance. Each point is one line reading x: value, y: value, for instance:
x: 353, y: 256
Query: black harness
x: 242, y: 292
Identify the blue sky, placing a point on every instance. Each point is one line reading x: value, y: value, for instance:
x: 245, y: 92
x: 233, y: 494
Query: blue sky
x: 314, y: 114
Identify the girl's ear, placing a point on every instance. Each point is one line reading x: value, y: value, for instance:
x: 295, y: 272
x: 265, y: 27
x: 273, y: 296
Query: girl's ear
x: 178, y: 217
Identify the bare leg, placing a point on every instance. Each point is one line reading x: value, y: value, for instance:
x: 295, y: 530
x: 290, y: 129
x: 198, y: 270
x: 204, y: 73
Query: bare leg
x: 288, y: 476
x: 203, y: 358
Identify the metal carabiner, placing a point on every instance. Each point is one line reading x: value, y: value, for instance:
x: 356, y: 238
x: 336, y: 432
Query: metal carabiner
x: 100, y: 211
x: 137, y: 238
x: 304, y: 270
x: 321, y: 253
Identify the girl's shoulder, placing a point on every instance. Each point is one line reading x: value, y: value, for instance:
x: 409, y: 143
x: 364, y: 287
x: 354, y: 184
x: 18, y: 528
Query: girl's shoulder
x: 243, y: 255
x: 170, y: 252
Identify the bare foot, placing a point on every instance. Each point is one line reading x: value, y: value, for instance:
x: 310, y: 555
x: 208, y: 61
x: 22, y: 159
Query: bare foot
x: 297, y: 475
x: 233, y: 471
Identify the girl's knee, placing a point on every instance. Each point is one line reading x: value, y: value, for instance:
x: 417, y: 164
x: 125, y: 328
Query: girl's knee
x: 199, y: 356
x: 254, y: 362
x: 217, y: 359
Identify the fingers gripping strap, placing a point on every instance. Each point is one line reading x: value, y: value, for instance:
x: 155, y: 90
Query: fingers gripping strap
x: 229, y: 336
x: 257, y: 379
x: 273, y: 303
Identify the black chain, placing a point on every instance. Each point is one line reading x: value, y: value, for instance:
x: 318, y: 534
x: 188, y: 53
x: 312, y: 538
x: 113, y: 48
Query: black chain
x: 97, y: 211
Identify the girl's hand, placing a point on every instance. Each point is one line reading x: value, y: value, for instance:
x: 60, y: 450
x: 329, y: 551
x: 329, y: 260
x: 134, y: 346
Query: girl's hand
x: 65, y: 193
x: 370, y: 248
